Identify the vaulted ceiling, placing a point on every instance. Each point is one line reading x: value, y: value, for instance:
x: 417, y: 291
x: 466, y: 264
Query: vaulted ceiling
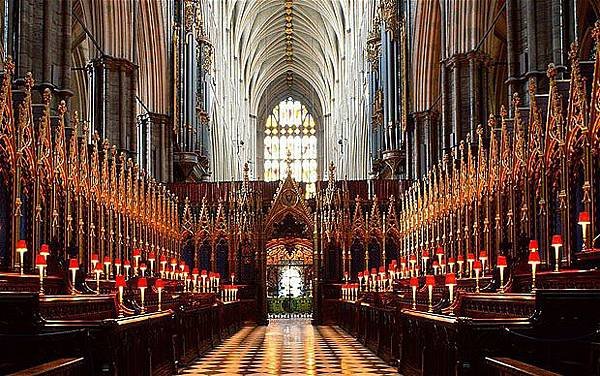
x: 289, y: 47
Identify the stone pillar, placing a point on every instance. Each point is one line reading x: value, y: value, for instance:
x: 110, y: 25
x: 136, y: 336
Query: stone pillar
x: 113, y: 101
x: 39, y: 40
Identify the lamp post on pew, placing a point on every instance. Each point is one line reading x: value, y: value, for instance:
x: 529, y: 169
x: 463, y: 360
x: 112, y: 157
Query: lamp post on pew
x: 121, y: 284
x: 126, y: 266
x: 21, y: 249
x: 414, y: 283
x: 40, y: 263
x: 118, y: 265
x: 477, y: 268
x: 430, y: 282
x: 151, y: 259
x: 584, y: 222
x: 160, y: 284
x: 534, y: 261
x: 142, y: 285
x: 556, y: 244
x: 501, y: 263
x: 451, y: 282
x: 107, y: 265
x: 73, y: 267
x: 45, y: 252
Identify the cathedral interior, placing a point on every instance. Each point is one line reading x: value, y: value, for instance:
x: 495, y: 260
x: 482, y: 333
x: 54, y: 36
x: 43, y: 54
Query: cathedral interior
x: 278, y: 187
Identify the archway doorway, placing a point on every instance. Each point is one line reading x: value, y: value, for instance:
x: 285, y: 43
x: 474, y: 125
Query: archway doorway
x: 289, y: 277
x: 289, y: 270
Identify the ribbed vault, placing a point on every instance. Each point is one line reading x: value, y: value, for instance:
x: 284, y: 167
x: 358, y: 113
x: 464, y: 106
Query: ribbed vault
x: 315, y: 34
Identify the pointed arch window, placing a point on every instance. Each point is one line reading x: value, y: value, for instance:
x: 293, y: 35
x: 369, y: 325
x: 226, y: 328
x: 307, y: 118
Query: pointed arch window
x: 291, y: 128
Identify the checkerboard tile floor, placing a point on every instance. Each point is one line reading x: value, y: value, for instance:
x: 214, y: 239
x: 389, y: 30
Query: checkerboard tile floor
x: 290, y: 347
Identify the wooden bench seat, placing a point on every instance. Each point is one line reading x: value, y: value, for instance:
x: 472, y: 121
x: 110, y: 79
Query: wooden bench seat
x: 63, y: 367
x: 508, y: 366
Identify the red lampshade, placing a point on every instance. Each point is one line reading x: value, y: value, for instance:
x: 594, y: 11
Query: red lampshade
x: 435, y: 263
x: 211, y: 275
x: 557, y: 240
x: 44, y: 250
x: 451, y: 261
x: 151, y: 256
x: 403, y: 260
x: 40, y: 260
x: 460, y: 258
x: 163, y: 258
x: 98, y: 267
x: 501, y: 261
x: 195, y: 271
x: 204, y: 273
x: 430, y: 280
x: 439, y: 251
x: 483, y: 254
x: 126, y: 263
x: 118, y: 261
x: 366, y: 273
x: 413, y: 258
x: 21, y: 246
x: 181, y: 263
x: 373, y: 270
x: 470, y: 257
x: 533, y: 244
x: 159, y: 283
x: 534, y: 257
x: 584, y: 217
x: 143, y: 266
x: 95, y: 257
x: 106, y: 260
x: 477, y: 265
x: 425, y: 254
x: 450, y: 279
x: 142, y: 282
x: 360, y: 274
x: 186, y: 269
x: 382, y: 269
x: 414, y: 282
x: 217, y: 275
x: 120, y: 281
x: 394, y: 263
x: 173, y: 261
x: 73, y: 264
x: 137, y: 252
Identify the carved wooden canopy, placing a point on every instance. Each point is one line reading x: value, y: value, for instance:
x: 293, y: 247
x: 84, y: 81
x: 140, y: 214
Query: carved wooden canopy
x: 288, y: 201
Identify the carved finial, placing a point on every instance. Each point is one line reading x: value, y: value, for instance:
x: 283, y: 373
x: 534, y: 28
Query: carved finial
x: 479, y: 130
x: 9, y: 65
x: 596, y: 32
x: 47, y: 96
x: 573, y: 53
x: 105, y: 145
x: 551, y: 71
x: 96, y: 137
x: 491, y: 121
x: 516, y: 100
x: 62, y: 108
x: 532, y: 86
x: 503, y: 112
x: 29, y: 81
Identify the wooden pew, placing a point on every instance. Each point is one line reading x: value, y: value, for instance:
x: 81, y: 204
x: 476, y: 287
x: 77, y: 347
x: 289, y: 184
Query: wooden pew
x: 512, y: 367
x: 57, y: 367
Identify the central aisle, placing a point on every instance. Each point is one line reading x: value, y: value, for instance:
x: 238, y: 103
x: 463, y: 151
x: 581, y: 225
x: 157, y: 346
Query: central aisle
x: 290, y: 347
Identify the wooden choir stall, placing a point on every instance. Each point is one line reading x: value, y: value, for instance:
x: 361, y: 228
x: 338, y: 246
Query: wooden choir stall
x: 93, y: 280
x: 488, y: 265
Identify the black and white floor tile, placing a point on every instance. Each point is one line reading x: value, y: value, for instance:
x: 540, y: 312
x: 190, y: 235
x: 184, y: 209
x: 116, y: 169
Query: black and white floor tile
x: 290, y: 347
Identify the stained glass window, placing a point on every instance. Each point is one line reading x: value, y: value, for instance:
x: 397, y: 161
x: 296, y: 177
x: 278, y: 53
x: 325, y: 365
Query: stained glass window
x: 291, y: 128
